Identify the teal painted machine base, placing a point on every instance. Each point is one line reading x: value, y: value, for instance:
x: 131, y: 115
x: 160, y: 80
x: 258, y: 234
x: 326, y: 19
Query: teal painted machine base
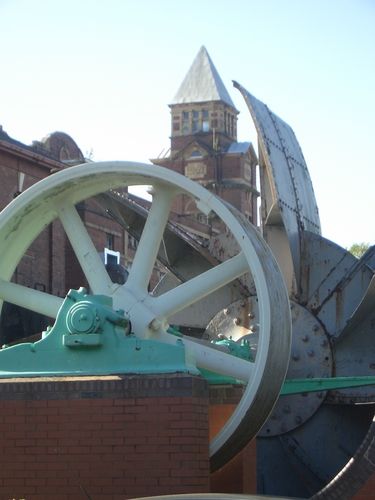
x: 90, y: 338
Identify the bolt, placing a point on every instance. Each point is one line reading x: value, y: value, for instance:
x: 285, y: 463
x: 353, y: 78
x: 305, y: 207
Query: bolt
x: 253, y: 328
x: 323, y: 343
x: 236, y: 321
x: 155, y: 324
x: 283, y: 428
x: 315, y: 327
x: 305, y: 338
x: 296, y: 357
x: 298, y: 420
x: 251, y: 315
x: 311, y: 353
x: 227, y: 311
x: 286, y: 409
x: 273, y: 416
x: 242, y: 303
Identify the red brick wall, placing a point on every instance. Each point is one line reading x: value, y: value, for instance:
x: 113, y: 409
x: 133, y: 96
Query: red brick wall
x: 239, y: 475
x: 118, y: 437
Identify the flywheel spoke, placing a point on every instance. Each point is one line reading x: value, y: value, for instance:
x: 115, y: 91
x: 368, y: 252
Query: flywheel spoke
x: 144, y: 260
x: 85, y: 250
x: 220, y: 362
x: 28, y: 298
x: 195, y: 289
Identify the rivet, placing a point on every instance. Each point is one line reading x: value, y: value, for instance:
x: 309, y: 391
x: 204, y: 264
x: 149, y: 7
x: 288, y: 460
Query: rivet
x: 311, y: 353
x: 298, y: 420
x: 296, y: 357
x: 227, y: 311
x: 251, y: 315
x: 286, y: 409
x: 236, y: 321
x: 305, y: 338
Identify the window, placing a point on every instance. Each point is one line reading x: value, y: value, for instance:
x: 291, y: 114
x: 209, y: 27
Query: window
x: 205, y: 113
x: 185, y: 115
x: 205, y: 126
x: 196, y: 153
x: 185, y: 128
x: 202, y: 218
x: 132, y: 242
x: 195, y: 114
x: 195, y: 126
x: 110, y: 241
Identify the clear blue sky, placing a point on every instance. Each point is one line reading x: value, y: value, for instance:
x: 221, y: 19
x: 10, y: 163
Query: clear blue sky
x: 105, y: 71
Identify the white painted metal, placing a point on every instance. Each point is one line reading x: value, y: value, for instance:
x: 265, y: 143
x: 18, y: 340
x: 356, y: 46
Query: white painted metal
x: 56, y: 196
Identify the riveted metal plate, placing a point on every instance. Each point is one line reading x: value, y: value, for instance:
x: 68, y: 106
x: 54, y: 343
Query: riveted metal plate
x: 311, y: 357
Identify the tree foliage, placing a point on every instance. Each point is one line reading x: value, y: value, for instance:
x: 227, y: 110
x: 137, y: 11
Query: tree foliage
x: 358, y: 249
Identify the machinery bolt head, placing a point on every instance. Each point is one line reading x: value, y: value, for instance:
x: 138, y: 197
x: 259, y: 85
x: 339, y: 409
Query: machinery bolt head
x: 311, y: 353
x: 315, y: 327
x: 298, y: 420
x: 227, y: 311
x: 236, y: 321
x: 305, y: 338
x: 251, y: 315
x: 242, y: 303
x: 296, y: 357
x: 286, y: 409
x: 155, y: 324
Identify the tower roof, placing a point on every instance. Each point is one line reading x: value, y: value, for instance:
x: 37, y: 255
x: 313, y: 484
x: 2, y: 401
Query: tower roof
x: 202, y: 83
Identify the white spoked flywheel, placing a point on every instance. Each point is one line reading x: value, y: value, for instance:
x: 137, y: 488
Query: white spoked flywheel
x: 56, y: 196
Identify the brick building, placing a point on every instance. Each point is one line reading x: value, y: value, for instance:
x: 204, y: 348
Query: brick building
x: 49, y: 264
x: 204, y: 143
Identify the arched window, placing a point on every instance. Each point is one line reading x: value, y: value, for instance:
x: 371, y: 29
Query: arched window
x: 195, y: 154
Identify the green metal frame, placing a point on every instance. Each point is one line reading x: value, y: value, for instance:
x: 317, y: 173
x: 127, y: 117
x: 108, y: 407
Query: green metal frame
x: 90, y: 338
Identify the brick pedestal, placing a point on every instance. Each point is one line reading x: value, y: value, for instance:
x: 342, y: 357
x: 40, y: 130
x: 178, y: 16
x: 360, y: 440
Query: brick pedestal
x: 112, y: 437
x: 239, y: 475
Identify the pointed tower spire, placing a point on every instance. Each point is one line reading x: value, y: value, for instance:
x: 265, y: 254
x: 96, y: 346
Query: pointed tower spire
x: 202, y: 83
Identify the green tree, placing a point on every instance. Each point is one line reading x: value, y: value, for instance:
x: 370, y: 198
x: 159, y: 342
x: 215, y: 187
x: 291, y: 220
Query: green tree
x: 358, y: 249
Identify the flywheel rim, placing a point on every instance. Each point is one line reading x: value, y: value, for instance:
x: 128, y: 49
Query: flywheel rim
x: 56, y: 196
